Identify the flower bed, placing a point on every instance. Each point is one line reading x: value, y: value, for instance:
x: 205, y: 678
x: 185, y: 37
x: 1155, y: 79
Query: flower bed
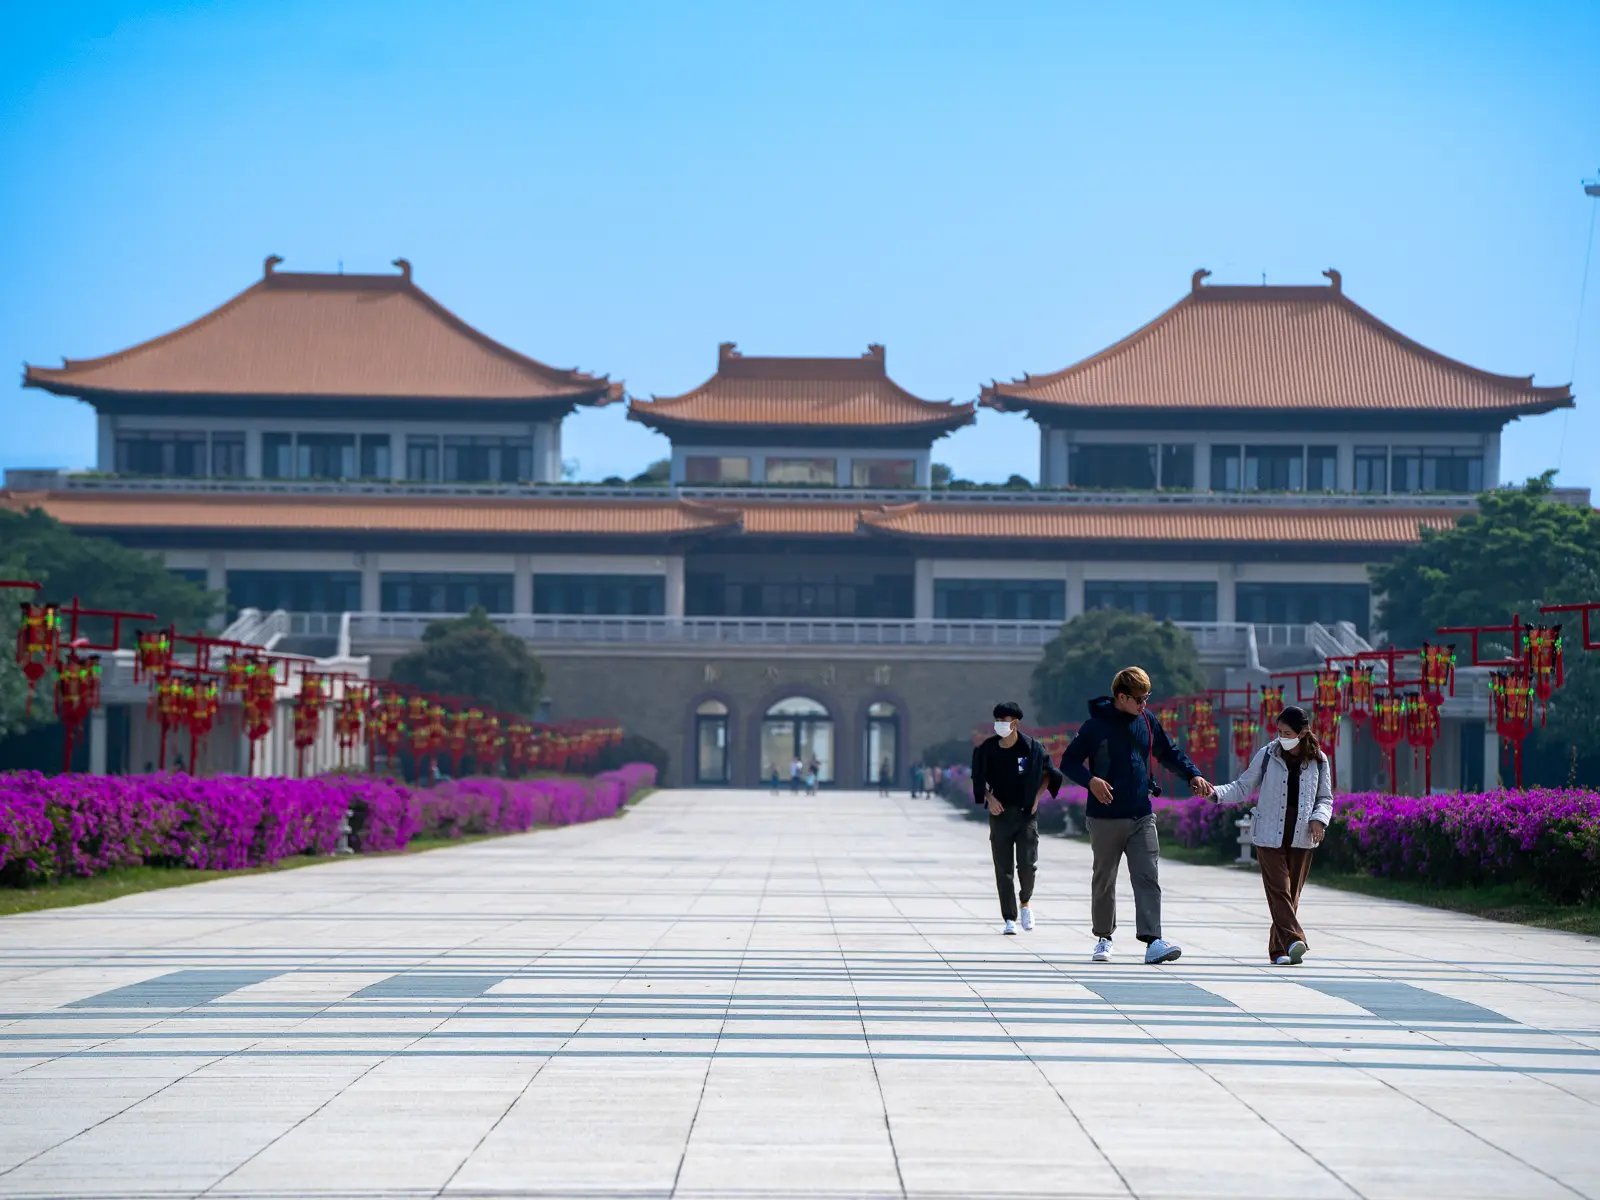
x: 1547, y: 838
x: 52, y: 827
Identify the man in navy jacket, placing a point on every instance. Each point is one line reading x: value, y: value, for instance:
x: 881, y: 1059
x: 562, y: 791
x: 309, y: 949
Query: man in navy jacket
x: 1111, y: 758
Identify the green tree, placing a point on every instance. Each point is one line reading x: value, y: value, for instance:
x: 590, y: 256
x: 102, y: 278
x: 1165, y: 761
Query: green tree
x: 942, y: 475
x: 657, y: 472
x: 1092, y: 647
x: 1519, y: 545
x: 101, y: 574
x: 474, y: 658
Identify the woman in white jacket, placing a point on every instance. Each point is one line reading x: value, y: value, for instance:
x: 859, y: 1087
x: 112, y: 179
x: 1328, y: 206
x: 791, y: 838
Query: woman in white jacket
x: 1293, y: 808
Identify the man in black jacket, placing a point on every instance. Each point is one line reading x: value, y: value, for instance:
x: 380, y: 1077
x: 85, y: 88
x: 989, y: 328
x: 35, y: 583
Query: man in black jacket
x: 1010, y: 772
x: 1111, y: 757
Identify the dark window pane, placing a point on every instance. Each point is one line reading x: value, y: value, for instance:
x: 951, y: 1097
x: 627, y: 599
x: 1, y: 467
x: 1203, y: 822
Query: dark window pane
x: 1451, y: 470
x: 883, y: 473
x: 277, y: 455
x: 1113, y: 465
x: 1165, y: 600
x: 1301, y: 603
x: 375, y: 456
x: 601, y: 595
x: 1274, y: 468
x: 443, y: 592
x: 422, y: 458
x: 160, y: 452
x: 325, y: 455
x: 296, y: 591
x: 1372, y: 469
x: 487, y: 459
x: 1405, y: 466
x: 1226, y: 475
x: 753, y: 592
x: 999, y: 599
x: 227, y: 455
x: 1322, y: 469
x: 1177, y: 466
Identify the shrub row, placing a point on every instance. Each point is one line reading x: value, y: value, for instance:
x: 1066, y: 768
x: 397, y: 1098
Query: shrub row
x: 52, y: 827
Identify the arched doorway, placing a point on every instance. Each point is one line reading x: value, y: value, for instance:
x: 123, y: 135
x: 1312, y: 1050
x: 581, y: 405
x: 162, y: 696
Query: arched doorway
x: 797, y: 727
x: 711, y: 742
x: 882, y: 757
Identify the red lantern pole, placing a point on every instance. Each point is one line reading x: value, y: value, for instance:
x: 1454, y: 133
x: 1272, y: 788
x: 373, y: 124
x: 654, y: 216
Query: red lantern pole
x: 1590, y: 642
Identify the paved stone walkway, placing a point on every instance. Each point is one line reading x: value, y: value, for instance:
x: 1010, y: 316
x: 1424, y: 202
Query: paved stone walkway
x: 736, y: 995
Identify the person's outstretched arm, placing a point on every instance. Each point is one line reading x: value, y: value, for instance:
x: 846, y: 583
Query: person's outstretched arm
x: 1247, y: 784
x: 1167, y: 752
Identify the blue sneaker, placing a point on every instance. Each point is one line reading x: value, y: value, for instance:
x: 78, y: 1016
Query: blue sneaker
x: 1161, y: 951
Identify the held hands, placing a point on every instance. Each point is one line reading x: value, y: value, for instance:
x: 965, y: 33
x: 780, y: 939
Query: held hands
x: 1318, y: 831
x: 1202, y: 787
x: 1100, y: 789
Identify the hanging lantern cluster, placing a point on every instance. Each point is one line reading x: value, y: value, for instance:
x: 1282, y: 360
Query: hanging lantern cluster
x: 38, y: 643
x: 1203, y: 737
x: 1389, y: 727
x: 348, y: 715
x: 308, y: 710
x: 77, y: 693
x: 386, y: 723
x: 152, y: 654
x: 487, y: 741
x: 1271, y: 704
x: 1358, y: 694
x: 1422, y: 733
x: 458, y: 732
x: 1511, y: 692
x: 204, y: 702
x: 1544, y: 664
x: 1438, y: 673
x: 1246, y: 737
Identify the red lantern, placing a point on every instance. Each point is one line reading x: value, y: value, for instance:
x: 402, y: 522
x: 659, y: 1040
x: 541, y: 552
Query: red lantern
x: 1438, y: 673
x: 1358, y: 694
x: 201, y: 716
x: 38, y: 643
x: 308, y: 709
x: 1203, y: 739
x: 1512, y: 693
x: 77, y: 695
x: 1271, y: 704
x: 1388, y: 728
x: 1246, y: 736
x: 486, y: 742
x: 455, y: 740
x: 152, y: 654
x: 1544, y: 664
x: 1422, y: 734
x: 348, y: 714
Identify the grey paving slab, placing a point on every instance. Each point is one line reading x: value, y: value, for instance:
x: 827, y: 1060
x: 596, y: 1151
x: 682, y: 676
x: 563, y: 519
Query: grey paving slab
x: 733, y: 995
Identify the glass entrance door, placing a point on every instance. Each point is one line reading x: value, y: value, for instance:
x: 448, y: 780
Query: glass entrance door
x: 797, y: 730
x: 882, y: 762
x: 711, y: 742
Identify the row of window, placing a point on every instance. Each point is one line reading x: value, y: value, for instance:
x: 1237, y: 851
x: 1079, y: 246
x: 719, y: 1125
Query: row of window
x: 864, y: 472
x: 428, y: 457
x: 842, y: 596
x: 797, y: 743
x: 1247, y: 468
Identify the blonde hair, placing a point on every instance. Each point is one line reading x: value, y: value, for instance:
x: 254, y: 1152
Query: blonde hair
x: 1131, y: 681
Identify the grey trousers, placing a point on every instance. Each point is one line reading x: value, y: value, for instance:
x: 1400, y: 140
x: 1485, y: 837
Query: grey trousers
x: 1111, y: 838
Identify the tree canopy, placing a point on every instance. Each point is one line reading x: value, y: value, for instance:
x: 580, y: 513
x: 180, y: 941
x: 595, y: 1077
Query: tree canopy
x: 1092, y: 647
x: 1520, y: 546
x: 474, y: 658
x: 100, y: 573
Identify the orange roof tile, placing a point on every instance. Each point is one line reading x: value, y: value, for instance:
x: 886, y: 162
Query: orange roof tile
x: 324, y: 336
x: 1085, y: 523
x: 801, y: 519
x: 786, y: 393
x: 372, y: 514
x: 1273, y: 348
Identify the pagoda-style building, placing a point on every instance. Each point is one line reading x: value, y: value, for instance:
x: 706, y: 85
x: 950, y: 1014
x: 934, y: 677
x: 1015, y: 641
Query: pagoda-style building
x: 314, y: 376
x: 801, y: 422
x: 1277, y: 389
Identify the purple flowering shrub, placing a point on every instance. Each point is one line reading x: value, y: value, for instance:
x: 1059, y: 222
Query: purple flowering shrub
x: 1547, y: 838
x: 52, y: 827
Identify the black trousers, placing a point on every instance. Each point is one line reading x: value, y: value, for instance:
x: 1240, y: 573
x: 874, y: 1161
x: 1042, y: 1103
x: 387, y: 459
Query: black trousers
x: 1014, y: 840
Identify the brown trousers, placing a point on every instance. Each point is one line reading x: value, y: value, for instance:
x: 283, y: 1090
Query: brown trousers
x: 1283, y: 875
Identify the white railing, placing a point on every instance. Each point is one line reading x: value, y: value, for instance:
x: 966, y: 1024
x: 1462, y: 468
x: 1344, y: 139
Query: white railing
x: 757, y: 494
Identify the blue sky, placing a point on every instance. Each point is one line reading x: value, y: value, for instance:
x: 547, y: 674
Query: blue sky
x: 985, y: 189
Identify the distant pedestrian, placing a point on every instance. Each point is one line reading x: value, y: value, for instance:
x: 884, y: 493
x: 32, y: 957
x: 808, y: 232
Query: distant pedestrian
x: 1010, y: 772
x: 1294, y: 803
x: 1111, y: 757
x: 796, y: 772
x: 883, y: 777
x: 774, y: 777
x: 812, y: 770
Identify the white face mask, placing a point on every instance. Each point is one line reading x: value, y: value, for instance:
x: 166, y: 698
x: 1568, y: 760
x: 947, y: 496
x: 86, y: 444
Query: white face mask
x: 1288, y: 744
x: 1003, y: 728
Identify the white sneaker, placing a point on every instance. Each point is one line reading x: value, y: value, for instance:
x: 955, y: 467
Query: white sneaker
x: 1297, y: 951
x: 1161, y: 951
x: 1011, y: 927
x: 1283, y: 960
x: 1102, y: 951
x: 1027, y: 918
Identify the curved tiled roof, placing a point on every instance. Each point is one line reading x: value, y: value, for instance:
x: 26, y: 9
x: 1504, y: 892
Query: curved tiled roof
x: 1273, y: 348
x: 787, y: 393
x: 1086, y: 523
x: 311, y: 335
x: 1076, y: 523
